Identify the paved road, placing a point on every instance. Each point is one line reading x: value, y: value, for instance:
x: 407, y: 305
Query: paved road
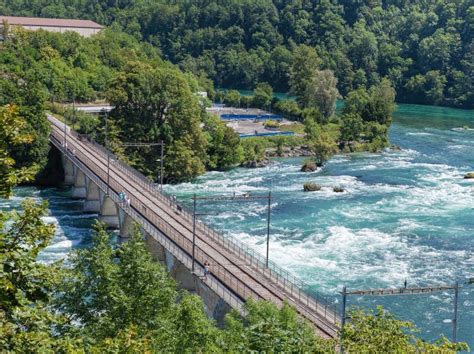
x: 234, y: 269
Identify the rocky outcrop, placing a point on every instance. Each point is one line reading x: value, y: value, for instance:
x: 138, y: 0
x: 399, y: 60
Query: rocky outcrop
x: 256, y: 164
x: 296, y: 151
x: 469, y: 175
x: 311, y: 187
x: 309, y: 166
x: 338, y: 189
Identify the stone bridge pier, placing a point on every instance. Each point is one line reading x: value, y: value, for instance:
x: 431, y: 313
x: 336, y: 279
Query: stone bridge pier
x: 97, y: 201
x: 215, y: 307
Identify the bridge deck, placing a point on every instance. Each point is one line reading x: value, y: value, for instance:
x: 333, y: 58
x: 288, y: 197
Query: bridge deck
x: 232, y: 267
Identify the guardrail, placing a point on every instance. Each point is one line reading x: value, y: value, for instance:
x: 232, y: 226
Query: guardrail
x: 174, y: 244
x: 313, y: 300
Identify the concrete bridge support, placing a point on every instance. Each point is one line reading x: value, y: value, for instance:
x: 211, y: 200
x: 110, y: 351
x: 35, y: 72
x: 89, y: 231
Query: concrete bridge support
x: 92, y: 202
x: 127, y: 225
x: 156, y: 249
x: 79, y: 188
x: 215, y: 307
x: 109, y: 212
x: 69, y: 168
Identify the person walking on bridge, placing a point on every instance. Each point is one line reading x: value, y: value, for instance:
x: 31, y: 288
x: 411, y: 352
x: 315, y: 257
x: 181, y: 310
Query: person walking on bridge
x: 206, y: 269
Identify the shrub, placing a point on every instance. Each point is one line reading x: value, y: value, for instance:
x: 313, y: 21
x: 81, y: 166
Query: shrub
x: 271, y: 124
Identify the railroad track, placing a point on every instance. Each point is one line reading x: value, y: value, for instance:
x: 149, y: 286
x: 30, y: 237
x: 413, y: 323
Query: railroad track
x: 227, y: 266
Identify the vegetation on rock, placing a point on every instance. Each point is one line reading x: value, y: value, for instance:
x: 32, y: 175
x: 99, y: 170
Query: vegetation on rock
x: 309, y: 166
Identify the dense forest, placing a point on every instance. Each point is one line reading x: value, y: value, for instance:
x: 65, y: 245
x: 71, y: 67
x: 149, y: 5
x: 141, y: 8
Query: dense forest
x: 424, y: 47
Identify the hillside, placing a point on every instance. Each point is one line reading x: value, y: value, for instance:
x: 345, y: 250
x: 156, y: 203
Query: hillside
x: 425, y: 48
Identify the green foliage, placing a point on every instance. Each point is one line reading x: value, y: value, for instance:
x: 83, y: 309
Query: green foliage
x: 116, y: 298
x: 288, y: 109
x: 26, y: 286
x: 376, y: 104
x: 254, y: 150
x: 108, y: 290
x: 232, y: 98
x: 271, y: 124
x: 224, y: 148
x: 321, y: 93
x: 323, y: 147
x: 262, y: 95
x: 240, y: 43
x: 14, y: 132
x: 157, y: 104
x: 379, y: 331
x: 25, y: 92
x: 369, y: 112
x: 267, y: 329
x: 320, y: 141
x: 352, y: 127
x: 305, y: 63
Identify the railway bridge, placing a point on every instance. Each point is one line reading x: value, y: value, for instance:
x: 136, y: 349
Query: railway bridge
x: 236, y: 272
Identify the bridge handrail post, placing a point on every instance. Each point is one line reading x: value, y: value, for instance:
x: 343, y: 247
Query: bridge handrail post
x: 282, y: 276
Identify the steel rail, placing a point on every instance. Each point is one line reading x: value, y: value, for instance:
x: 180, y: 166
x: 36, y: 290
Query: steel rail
x: 243, y: 253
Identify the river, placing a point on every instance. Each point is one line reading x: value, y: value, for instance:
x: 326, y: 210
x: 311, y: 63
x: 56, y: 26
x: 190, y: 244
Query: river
x: 404, y: 215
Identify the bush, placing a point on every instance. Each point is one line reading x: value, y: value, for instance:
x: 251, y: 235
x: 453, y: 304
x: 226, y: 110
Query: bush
x: 289, y: 109
x: 311, y: 187
x: 271, y: 124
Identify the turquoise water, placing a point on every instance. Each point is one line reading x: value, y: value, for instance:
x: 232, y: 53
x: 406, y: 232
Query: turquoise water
x: 72, y: 224
x: 405, y: 214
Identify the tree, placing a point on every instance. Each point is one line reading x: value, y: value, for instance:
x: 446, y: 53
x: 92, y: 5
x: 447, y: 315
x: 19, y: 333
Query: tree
x: 375, y: 106
x: 323, y: 147
x: 321, y: 93
x: 319, y: 141
x: 266, y: 328
x: 232, y: 98
x: 305, y: 62
x: 224, y: 148
x: 13, y: 132
x: 262, y: 95
x: 109, y: 290
x: 156, y: 104
x: 382, y: 103
x: 289, y: 109
x: 26, y: 286
x: 352, y: 127
x: 379, y: 331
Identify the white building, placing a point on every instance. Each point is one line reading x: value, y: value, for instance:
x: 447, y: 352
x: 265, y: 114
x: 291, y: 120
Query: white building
x: 85, y: 28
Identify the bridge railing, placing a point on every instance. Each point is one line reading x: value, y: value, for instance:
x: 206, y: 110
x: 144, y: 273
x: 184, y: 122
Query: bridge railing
x: 167, y: 236
x: 290, y: 283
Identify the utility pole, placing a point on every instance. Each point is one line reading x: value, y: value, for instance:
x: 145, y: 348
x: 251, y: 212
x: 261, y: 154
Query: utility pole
x: 108, y: 153
x: 344, y: 301
x: 268, y: 226
x: 194, y: 232
x: 161, y: 165
x: 455, y: 319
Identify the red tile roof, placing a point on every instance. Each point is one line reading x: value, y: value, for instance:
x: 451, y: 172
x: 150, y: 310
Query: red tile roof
x: 49, y: 22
